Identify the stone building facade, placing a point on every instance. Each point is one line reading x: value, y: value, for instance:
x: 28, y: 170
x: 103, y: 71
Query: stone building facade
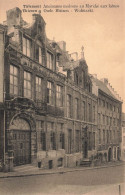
x: 123, y: 138
x: 109, y: 121
x: 49, y: 112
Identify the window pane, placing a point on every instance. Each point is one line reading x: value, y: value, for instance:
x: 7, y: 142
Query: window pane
x: 11, y: 69
x: 15, y: 81
x: 11, y: 79
x: 15, y: 90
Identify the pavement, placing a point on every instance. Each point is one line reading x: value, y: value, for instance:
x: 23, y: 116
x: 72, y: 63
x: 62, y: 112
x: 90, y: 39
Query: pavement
x: 29, y: 170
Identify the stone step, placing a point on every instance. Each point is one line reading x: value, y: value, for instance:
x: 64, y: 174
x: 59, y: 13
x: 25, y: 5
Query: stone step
x: 85, y: 163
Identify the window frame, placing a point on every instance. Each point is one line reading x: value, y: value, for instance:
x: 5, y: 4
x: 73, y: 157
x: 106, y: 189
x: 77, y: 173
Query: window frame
x: 77, y: 140
x: 50, y: 60
x: 69, y: 105
x: 76, y: 111
x: 41, y: 143
x: 26, y: 46
x: 39, y: 95
x: 50, y: 92
x: 59, y: 95
x: 28, y: 83
x: 14, y: 76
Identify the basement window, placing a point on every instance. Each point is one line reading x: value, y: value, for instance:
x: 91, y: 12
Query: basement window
x: 60, y: 162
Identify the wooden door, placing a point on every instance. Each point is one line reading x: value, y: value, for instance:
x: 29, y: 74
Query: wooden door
x: 21, y: 141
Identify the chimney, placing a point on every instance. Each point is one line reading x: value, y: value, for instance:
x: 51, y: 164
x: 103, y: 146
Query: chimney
x: 74, y: 56
x: 14, y: 17
x: 82, y: 53
x: 104, y: 80
x: 62, y: 45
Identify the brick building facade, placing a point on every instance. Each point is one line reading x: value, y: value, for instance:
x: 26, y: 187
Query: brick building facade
x: 49, y: 113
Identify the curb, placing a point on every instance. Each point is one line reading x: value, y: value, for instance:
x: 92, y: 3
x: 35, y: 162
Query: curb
x: 60, y: 172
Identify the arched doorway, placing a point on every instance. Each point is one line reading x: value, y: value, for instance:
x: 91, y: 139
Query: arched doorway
x: 21, y: 141
x: 109, y: 154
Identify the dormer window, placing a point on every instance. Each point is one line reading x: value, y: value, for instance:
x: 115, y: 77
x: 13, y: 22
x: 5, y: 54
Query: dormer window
x: 89, y: 87
x: 39, y: 54
x: 76, y: 79
x: 26, y: 47
x: 57, y: 60
x: 50, y: 60
x: 83, y: 78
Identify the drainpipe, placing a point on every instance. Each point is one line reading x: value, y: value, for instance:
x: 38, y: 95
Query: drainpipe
x: 4, y: 134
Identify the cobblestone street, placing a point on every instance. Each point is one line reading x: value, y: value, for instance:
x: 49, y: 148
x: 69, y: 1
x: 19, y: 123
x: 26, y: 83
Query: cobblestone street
x: 91, y: 181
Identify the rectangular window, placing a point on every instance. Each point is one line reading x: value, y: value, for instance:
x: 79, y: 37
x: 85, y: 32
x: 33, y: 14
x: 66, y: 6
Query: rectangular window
x: 69, y: 141
x: 62, y: 140
x: 49, y: 60
x: 41, y: 135
x: 50, y: 93
x: 110, y: 136
x: 26, y: 47
x: 117, y: 122
x: 107, y: 120
x: 114, y: 108
x: 107, y: 136
x: 99, y: 118
x: 99, y: 101
x: 94, y: 140
x: 103, y: 136
x: 59, y: 96
x: 83, y: 79
x: 114, y: 136
x: 27, y: 85
x: 103, y: 103
x: 103, y: 119
x: 77, y: 139
x: 52, y: 140
x: 50, y: 129
x: 107, y: 105
x: 99, y: 133
x: 83, y: 110
x: 89, y: 112
x: 93, y: 113
x: 110, y: 121
x: 61, y: 136
x: 69, y: 107
x: 76, y: 108
x: 38, y: 54
x: 38, y: 88
x: 90, y: 141
x: 14, y: 82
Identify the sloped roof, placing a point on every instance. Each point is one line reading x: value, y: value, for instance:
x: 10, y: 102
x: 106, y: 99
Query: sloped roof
x: 103, y: 87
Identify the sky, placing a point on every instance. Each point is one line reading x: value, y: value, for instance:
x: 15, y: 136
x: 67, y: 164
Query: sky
x: 101, y: 33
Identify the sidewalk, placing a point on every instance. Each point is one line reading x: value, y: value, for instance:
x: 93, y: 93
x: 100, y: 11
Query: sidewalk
x: 32, y: 171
